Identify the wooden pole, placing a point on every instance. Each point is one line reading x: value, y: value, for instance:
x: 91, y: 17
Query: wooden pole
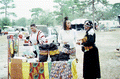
x: 18, y: 47
x: 8, y: 57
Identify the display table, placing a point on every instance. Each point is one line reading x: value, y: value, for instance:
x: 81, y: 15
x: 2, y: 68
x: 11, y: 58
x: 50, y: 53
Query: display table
x: 43, y: 70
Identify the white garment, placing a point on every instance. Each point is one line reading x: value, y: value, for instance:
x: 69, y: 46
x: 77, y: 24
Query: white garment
x: 91, y: 32
x: 33, y: 39
x: 68, y: 36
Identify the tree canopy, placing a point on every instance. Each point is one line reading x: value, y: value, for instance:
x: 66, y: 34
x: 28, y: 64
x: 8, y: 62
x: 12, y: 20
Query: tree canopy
x: 74, y: 9
x: 7, y: 5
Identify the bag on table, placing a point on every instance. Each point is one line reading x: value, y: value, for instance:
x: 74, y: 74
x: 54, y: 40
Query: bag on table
x: 54, y: 52
x: 43, y: 54
x: 64, y: 54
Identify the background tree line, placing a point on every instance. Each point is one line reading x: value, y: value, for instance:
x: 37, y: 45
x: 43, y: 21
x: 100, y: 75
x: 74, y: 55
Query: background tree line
x: 74, y: 9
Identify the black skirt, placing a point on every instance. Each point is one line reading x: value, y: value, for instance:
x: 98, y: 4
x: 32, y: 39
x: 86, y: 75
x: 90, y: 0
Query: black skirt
x: 91, y: 66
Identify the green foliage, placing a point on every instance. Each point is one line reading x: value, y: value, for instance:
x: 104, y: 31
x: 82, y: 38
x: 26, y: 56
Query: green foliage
x: 5, y: 22
x: 47, y: 18
x: 7, y: 5
x: 12, y: 13
x: 105, y: 2
x: 28, y: 22
x: 116, y: 9
x: 74, y: 9
x: 66, y: 8
x: 13, y: 23
x: 112, y: 13
x: 82, y: 9
x: 76, y: 1
x: 41, y: 17
x: 36, y: 12
x: 0, y: 23
x: 21, y: 22
x: 2, y: 12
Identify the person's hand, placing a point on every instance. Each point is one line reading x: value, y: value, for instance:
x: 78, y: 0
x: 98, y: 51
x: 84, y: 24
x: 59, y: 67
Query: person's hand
x: 65, y: 42
x: 79, y: 40
x: 76, y: 60
x: 35, y: 43
x: 30, y: 44
x: 78, y: 43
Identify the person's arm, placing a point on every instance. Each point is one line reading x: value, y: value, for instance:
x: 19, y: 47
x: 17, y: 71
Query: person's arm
x: 30, y: 43
x: 41, y: 38
x: 90, y: 39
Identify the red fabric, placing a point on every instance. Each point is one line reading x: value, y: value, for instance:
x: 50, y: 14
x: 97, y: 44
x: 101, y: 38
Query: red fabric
x: 26, y: 41
x: 11, y: 36
x: 46, y: 41
x: 20, y: 36
x: 38, y: 34
x: 36, y: 70
x: 42, y: 36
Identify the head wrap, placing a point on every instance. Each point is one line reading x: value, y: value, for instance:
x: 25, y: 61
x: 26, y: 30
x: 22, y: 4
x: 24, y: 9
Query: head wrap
x: 88, y: 23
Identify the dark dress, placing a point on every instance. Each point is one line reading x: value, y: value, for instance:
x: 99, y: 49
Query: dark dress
x: 91, y: 66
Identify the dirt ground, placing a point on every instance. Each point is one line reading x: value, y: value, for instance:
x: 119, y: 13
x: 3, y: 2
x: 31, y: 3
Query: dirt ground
x: 106, y: 42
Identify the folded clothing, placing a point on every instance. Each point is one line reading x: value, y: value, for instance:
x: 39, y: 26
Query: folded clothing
x: 52, y: 47
x: 63, y: 56
x: 43, y: 58
x: 44, y: 47
x: 67, y: 46
x: 54, y: 57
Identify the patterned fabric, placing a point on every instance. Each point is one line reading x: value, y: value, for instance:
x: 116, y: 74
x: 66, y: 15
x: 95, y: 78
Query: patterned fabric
x: 88, y: 48
x: 43, y: 52
x: 84, y: 39
x: 47, y: 70
x: 61, y: 70
x: 36, y: 71
x: 72, y: 52
x: 16, y: 45
x: 11, y: 47
x: 26, y: 70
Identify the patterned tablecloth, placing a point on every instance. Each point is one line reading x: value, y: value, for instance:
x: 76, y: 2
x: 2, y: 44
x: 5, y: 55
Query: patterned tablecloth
x: 43, y: 70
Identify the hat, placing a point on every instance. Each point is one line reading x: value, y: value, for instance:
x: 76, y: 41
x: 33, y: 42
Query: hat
x: 88, y: 23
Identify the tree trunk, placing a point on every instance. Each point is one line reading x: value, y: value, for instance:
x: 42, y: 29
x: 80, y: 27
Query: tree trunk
x: 93, y: 16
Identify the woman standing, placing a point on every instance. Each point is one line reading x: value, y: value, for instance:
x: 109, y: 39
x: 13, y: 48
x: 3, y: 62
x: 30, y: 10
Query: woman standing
x: 91, y: 66
x: 67, y: 37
